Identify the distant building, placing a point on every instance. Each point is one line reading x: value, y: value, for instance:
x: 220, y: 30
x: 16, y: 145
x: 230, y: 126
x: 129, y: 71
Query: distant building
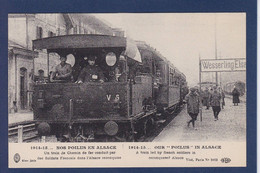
x: 224, y: 77
x: 25, y: 65
x: 88, y: 24
x: 20, y: 69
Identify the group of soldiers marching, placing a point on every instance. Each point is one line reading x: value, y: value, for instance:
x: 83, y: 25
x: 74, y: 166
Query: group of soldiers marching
x: 206, y: 97
x: 213, y: 97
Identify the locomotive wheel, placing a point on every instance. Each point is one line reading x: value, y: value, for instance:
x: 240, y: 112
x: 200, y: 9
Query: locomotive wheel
x: 44, y: 129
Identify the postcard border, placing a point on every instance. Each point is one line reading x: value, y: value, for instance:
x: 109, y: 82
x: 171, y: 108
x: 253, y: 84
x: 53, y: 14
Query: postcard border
x: 133, y: 6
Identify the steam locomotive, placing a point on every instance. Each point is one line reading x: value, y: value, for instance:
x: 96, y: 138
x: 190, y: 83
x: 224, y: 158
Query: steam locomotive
x: 139, y: 85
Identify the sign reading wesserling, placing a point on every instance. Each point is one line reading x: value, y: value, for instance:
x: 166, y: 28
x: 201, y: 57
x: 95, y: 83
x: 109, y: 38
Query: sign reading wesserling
x: 223, y: 65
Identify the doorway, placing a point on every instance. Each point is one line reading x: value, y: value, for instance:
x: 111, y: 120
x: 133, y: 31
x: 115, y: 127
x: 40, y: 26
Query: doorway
x: 23, y: 88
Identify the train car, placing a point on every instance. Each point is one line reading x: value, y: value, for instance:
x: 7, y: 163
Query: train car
x: 120, y: 109
x: 169, y: 86
x: 183, y: 87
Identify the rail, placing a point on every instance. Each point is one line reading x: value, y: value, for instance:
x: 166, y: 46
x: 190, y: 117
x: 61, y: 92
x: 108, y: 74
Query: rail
x: 20, y: 129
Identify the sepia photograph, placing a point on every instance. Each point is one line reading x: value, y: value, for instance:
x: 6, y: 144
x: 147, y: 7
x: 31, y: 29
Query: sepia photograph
x: 127, y: 77
x: 138, y: 83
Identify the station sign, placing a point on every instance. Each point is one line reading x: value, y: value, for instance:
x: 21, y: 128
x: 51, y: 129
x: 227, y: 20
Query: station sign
x: 223, y: 65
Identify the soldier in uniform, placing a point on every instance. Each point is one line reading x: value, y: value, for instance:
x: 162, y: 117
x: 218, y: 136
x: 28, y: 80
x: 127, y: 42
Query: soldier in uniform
x: 63, y: 71
x: 91, y: 73
x: 205, y: 98
x: 222, y: 97
x: 215, y: 99
x: 193, y: 104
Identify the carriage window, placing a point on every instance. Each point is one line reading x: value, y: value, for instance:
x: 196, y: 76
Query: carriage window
x: 177, y: 81
x: 171, y: 79
x: 39, y: 32
x: 111, y: 59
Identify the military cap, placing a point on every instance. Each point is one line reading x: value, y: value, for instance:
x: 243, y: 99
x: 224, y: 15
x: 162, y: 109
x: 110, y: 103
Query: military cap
x: 63, y: 57
x: 92, y: 57
x: 192, y: 89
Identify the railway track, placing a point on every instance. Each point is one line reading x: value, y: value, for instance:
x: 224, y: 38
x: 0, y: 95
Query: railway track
x: 162, y: 125
x: 22, y: 132
x: 26, y: 131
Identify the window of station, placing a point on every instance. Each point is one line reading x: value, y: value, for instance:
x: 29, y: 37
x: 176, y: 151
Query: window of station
x: 75, y: 30
x: 59, y: 31
x: 39, y: 32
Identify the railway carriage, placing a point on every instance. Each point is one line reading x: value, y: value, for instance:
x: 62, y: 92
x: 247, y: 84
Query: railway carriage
x: 169, y: 86
x: 120, y: 109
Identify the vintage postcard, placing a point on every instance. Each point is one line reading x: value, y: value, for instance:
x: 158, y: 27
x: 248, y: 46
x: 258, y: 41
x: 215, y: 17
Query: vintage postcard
x: 156, y: 86
x: 127, y: 90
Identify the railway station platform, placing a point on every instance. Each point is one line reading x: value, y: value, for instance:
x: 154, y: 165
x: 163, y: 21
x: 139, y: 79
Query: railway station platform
x: 231, y: 126
x: 18, y: 117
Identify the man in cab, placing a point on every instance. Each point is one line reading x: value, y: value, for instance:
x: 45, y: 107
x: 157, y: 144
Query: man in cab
x: 91, y: 73
x: 63, y: 71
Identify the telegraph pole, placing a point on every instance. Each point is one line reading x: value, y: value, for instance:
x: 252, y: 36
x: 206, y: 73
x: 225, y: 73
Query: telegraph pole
x: 200, y: 89
x: 220, y: 73
x: 216, y: 52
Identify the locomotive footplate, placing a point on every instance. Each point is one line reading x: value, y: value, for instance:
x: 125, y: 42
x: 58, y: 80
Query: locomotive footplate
x: 105, y: 129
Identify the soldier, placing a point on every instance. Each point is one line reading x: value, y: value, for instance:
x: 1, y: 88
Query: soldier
x: 63, y: 71
x: 91, y: 73
x: 215, y: 99
x: 157, y: 84
x: 222, y: 97
x: 205, y: 97
x: 235, y: 94
x: 193, y: 103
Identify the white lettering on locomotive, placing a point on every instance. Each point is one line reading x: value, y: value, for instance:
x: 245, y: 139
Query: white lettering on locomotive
x: 109, y: 97
x: 117, y: 97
